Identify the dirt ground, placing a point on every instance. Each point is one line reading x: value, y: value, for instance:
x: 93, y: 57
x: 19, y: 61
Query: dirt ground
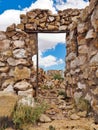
x: 62, y: 115
x: 67, y: 124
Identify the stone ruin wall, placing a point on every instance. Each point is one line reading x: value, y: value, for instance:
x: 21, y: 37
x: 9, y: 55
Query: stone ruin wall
x: 16, y: 66
x: 82, y: 56
x: 18, y: 45
x: 44, y: 20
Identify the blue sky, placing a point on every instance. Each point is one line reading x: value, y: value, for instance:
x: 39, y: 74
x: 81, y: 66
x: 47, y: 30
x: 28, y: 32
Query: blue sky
x: 21, y: 4
x: 52, y: 48
x: 14, y: 4
x: 60, y: 52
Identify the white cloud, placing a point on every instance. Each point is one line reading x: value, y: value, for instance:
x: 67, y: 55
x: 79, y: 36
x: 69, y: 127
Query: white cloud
x: 47, y: 61
x: 48, y: 41
x: 43, y: 4
x: 72, y: 4
x: 9, y: 17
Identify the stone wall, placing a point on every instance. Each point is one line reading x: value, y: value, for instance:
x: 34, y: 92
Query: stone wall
x: 16, y: 51
x: 44, y: 20
x: 82, y: 56
x: 18, y: 45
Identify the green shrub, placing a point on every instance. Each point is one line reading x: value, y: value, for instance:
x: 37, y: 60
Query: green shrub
x: 58, y: 76
x: 51, y: 127
x: 27, y: 115
x: 5, y: 122
x: 83, y: 105
x: 3, y: 126
x: 47, y: 87
x: 62, y: 93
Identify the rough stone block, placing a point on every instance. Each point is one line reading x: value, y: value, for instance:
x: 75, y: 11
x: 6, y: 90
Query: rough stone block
x: 22, y: 73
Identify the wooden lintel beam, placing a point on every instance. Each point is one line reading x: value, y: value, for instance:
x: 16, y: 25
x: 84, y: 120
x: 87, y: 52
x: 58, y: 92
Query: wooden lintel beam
x: 46, y: 31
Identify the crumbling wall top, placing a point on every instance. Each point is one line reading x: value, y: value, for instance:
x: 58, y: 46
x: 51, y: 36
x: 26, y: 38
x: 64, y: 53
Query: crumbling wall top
x: 39, y: 20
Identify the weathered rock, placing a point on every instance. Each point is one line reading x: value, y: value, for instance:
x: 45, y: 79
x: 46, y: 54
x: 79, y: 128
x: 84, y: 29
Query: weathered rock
x: 52, y: 27
x: 86, y: 73
x: 2, y: 36
x: 96, y: 119
x: 19, y: 53
x: 18, y: 44
x: 83, y: 49
x: 23, y: 18
x: 2, y: 64
x: 4, y: 45
x: 11, y: 72
x: 94, y: 19
x: 26, y: 93
x: 77, y: 96
x: 90, y: 34
x: 42, y: 25
x: 74, y: 117
x: 4, y: 69
x: 8, y: 82
x: 97, y: 73
x: 22, y: 73
x: 92, y: 6
x: 7, y: 53
x: 82, y: 27
x: 22, y: 86
x: 20, y: 26
x: 82, y: 114
x: 51, y: 18
x: 11, y: 28
x: 44, y: 118
x: 9, y: 89
x: 7, y: 103
x: 95, y: 42
x: 94, y: 59
x: 95, y: 91
x: 88, y: 97
x: 30, y: 14
x: 63, y: 27
x: 78, y: 62
x: 81, y: 40
x: 84, y: 14
x: 27, y: 100
x: 14, y: 62
x: 30, y: 27
x: 81, y: 86
x: 73, y: 64
x: 9, y: 128
x: 71, y: 56
x: 94, y: 104
x: 10, y: 34
x: 81, y: 60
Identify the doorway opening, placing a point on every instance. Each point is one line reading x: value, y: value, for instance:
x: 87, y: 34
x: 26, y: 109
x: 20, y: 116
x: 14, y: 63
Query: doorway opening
x: 51, y: 53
